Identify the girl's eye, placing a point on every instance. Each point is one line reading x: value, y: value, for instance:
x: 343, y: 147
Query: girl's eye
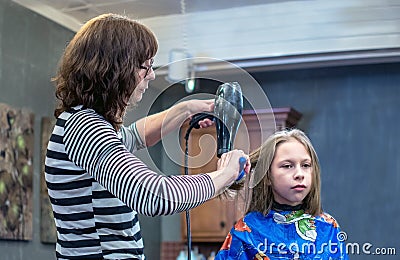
x: 287, y: 166
x: 307, y: 165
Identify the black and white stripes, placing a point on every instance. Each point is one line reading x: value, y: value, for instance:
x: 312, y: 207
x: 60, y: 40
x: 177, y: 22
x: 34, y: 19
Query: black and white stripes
x: 97, y: 187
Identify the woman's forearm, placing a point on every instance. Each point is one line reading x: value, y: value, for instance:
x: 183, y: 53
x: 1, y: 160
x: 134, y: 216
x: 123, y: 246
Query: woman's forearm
x: 152, y: 128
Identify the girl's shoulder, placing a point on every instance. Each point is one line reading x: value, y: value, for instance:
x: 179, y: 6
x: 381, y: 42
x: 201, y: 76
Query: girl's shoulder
x: 256, y: 220
x: 250, y: 219
x: 327, y: 218
x: 254, y: 215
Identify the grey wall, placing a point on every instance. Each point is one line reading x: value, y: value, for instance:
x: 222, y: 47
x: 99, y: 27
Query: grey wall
x: 352, y: 116
x: 30, y: 47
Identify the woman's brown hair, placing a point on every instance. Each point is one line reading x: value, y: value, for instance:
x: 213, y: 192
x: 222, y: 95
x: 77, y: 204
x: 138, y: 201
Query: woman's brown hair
x: 99, y: 67
x: 261, y: 196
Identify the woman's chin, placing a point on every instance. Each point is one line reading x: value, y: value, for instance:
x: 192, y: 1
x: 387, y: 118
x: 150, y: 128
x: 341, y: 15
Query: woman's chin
x: 137, y: 97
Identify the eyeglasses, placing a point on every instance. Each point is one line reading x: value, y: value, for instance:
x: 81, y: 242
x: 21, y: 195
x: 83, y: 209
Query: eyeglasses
x: 147, y: 68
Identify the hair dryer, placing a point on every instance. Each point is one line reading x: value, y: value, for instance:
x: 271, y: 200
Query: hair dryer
x: 227, y: 115
x: 228, y: 106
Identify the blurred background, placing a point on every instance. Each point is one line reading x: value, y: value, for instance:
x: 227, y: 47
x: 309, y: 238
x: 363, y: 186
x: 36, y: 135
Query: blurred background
x: 337, y: 63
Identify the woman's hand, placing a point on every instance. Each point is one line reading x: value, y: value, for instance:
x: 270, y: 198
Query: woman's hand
x: 228, y: 168
x: 195, y: 106
x: 206, y: 123
x: 231, y: 159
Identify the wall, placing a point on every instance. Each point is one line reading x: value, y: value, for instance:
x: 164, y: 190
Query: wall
x: 30, y: 47
x: 29, y: 50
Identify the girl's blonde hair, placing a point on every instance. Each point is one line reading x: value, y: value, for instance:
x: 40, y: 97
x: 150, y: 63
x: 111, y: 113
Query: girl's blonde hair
x: 261, y: 196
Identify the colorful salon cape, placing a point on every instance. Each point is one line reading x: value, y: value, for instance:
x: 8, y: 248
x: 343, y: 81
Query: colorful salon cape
x: 284, y: 235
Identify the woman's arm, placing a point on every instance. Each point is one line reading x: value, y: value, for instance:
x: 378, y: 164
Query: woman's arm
x: 92, y: 144
x: 131, y: 138
x: 152, y: 128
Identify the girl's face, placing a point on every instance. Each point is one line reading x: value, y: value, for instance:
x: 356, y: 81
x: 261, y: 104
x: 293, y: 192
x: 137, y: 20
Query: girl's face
x: 291, y: 173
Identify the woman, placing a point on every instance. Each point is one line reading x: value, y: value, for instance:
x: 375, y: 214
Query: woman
x: 96, y: 185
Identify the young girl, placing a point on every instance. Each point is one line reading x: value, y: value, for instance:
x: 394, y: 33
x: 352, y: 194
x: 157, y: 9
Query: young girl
x: 284, y: 218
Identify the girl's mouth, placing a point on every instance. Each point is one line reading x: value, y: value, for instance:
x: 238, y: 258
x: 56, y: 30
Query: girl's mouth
x: 299, y: 187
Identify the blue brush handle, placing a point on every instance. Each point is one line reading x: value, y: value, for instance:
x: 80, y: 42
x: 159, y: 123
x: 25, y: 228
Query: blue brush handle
x: 242, y: 162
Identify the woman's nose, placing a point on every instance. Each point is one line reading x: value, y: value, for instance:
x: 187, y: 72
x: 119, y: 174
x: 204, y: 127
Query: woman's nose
x: 151, y: 75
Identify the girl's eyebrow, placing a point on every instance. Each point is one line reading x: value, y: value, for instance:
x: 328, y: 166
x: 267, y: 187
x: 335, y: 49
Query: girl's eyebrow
x: 293, y: 160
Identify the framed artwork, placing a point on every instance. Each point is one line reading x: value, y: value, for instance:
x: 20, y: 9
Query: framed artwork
x: 48, y: 233
x: 16, y: 170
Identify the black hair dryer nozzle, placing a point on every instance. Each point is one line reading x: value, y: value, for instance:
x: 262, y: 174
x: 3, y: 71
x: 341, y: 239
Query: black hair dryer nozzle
x: 228, y: 113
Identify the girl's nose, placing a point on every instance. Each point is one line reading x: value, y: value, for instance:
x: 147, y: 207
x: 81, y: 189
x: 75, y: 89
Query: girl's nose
x: 299, y: 174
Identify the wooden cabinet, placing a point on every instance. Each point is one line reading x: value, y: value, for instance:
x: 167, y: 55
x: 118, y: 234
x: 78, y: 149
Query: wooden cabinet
x: 211, y: 221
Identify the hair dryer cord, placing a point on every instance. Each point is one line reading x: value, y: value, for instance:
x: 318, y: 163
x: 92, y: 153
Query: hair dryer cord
x: 188, y: 233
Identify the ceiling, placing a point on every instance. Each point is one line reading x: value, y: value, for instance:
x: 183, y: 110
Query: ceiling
x: 73, y: 13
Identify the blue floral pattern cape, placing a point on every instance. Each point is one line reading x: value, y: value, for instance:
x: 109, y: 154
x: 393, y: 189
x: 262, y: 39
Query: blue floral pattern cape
x: 284, y: 235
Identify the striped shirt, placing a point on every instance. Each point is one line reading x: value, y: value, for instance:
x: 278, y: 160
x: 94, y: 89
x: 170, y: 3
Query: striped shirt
x: 97, y: 187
